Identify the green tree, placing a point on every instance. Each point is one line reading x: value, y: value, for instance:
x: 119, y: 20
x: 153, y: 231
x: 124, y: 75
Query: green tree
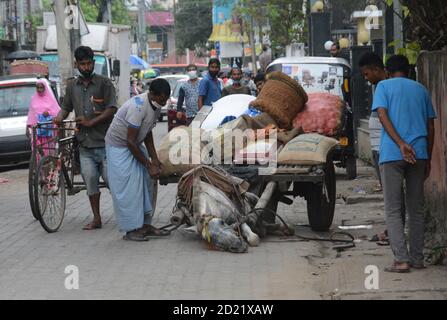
x: 287, y: 23
x: 89, y: 9
x: 92, y: 10
x: 285, y: 17
x: 36, y: 19
x: 120, y: 14
x: 253, y: 11
x: 425, y: 23
x: 193, y: 24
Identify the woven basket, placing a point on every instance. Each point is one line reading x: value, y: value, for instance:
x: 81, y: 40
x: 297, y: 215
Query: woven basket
x: 29, y: 66
x: 282, y: 98
x: 280, y: 76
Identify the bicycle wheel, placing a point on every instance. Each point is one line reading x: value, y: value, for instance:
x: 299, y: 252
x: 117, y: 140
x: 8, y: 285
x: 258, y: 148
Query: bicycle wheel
x: 36, y: 156
x: 49, y: 191
x: 31, y: 173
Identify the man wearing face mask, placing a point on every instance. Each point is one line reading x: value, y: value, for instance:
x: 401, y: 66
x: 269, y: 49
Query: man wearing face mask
x: 189, y: 94
x: 236, y: 87
x: 210, y: 89
x: 132, y: 165
x: 92, y: 97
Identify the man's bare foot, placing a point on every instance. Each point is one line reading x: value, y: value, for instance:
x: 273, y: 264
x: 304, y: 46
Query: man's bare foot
x: 93, y: 225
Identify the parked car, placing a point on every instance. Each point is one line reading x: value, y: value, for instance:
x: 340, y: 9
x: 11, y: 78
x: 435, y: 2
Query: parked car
x: 169, y: 69
x: 15, y: 96
x: 172, y: 109
x: 173, y: 79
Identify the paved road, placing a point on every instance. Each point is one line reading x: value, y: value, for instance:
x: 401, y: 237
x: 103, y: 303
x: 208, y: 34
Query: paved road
x: 33, y: 262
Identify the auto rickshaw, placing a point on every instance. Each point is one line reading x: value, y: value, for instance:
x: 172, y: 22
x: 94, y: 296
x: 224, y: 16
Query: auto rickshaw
x: 333, y: 76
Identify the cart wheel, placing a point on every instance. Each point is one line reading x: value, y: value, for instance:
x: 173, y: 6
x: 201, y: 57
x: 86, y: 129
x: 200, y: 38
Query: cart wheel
x: 154, y: 189
x: 321, y: 201
x: 351, y: 167
x: 49, y: 191
x: 31, y: 173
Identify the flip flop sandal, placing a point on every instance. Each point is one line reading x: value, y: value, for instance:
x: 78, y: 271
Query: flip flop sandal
x: 383, y: 243
x: 396, y: 270
x: 158, y: 233
x: 133, y: 236
x: 155, y: 232
x: 379, y: 237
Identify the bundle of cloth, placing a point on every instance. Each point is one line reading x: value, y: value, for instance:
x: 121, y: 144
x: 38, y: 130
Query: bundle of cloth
x: 260, y: 137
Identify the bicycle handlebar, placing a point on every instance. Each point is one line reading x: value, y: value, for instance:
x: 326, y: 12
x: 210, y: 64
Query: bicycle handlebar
x: 51, y: 122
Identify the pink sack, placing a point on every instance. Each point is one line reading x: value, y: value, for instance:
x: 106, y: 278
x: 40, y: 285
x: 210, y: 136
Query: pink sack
x: 323, y: 114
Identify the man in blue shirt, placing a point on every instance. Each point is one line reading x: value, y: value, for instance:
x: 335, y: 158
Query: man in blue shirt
x: 210, y: 89
x: 407, y: 116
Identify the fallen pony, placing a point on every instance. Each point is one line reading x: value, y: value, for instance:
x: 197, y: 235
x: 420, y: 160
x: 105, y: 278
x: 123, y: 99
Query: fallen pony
x: 219, y: 209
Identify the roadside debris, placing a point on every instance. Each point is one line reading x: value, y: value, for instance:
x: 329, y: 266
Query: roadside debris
x: 4, y: 180
x: 357, y: 227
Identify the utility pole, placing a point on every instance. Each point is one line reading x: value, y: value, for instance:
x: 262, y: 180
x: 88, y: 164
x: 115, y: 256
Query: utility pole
x: 9, y: 15
x: 16, y: 27
x: 142, y: 36
x: 64, y: 42
x: 109, y: 10
x: 253, y: 46
x: 75, y: 36
x: 22, y: 42
x: 187, y: 49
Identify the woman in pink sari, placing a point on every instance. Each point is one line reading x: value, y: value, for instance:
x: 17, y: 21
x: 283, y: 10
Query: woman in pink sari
x: 43, y: 108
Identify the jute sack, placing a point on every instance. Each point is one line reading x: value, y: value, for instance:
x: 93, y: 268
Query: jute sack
x: 307, y: 149
x: 228, y: 145
x: 180, y: 151
x: 282, y: 98
x: 281, y: 76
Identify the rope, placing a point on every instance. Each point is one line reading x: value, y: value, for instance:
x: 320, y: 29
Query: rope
x: 330, y: 239
x: 205, y: 231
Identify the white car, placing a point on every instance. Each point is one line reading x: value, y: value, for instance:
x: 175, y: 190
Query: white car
x: 173, y: 79
x: 15, y: 97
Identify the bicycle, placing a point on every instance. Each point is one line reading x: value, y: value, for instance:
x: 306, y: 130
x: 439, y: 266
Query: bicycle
x: 53, y: 169
x: 40, y: 147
